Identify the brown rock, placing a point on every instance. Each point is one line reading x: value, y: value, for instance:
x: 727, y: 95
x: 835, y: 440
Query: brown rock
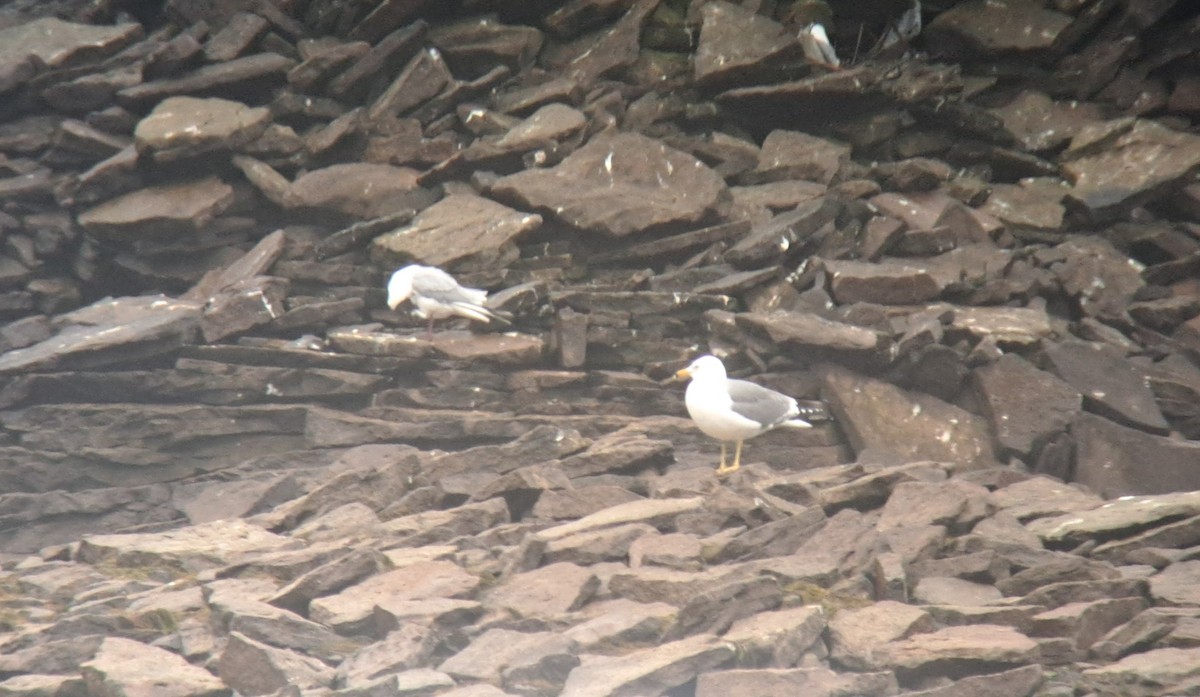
x: 131, y: 667
x: 795, y: 155
x: 618, y: 185
x: 998, y: 29
x: 1151, y: 672
x: 57, y: 44
x: 736, y: 44
x: 1025, y: 405
x: 239, y: 77
x: 185, y: 127
x: 881, y: 418
x: 1110, y: 384
x: 254, y: 668
x: 359, y: 190
x: 648, y: 671
x: 855, y: 634
x: 546, y: 592
x: 160, y: 212
x: 1111, y: 459
x: 957, y: 647
x: 1086, y: 622
x: 350, y: 609
x: 1126, y: 162
x: 108, y: 332
x: 886, y: 283
x: 784, y: 682
x: 504, y: 655
x: 1018, y: 682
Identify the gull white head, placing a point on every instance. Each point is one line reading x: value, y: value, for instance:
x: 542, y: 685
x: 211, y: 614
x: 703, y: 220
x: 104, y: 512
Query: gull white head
x: 400, y: 286
x: 704, y: 368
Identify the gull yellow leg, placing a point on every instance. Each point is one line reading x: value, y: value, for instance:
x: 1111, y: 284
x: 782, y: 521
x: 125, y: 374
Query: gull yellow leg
x: 737, y: 457
x: 737, y: 460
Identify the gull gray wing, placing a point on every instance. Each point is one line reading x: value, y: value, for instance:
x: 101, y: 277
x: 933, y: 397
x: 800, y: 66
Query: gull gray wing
x: 439, y: 286
x: 760, y: 404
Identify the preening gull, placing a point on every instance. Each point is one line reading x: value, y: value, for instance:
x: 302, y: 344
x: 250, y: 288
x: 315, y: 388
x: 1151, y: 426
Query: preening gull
x: 736, y: 410
x: 436, y: 295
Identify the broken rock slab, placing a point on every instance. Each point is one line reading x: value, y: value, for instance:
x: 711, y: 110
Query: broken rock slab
x: 1119, y: 164
x: 736, y: 43
x: 359, y: 190
x: 619, y: 184
x: 1115, y: 460
x: 880, y: 417
x: 647, y: 671
x: 124, y: 666
x: 1025, y: 405
x: 186, y: 127
x: 188, y: 549
x: 59, y: 44
x: 890, y: 283
x: 1110, y: 384
x: 158, y: 212
x: 110, y: 332
x: 458, y: 230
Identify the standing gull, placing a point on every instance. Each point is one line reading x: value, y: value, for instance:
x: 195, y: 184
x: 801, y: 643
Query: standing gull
x: 735, y: 410
x: 437, y: 295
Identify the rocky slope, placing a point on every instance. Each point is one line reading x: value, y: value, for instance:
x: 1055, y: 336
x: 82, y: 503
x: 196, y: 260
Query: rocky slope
x: 228, y: 468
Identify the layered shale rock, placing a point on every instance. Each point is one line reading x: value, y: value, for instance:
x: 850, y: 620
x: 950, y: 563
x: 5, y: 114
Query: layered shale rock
x: 226, y: 466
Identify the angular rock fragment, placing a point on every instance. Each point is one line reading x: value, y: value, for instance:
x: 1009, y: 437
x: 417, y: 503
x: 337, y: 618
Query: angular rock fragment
x: 186, y: 127
x: 879, y: 417
x: 619, y: 184
x: 160, y: 212
x: 1123, y: 163
x: 1025, y: 405
x: 458, y: 230
x: 131, y: 667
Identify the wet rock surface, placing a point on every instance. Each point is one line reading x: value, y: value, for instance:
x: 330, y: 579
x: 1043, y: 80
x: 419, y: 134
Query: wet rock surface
x: 227, y: 467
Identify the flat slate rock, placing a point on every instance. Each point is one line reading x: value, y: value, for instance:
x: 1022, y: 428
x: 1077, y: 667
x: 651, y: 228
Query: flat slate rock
x: 881, y: 417
x: 1120, y: 518
x: 109, y: 332
x: 1152, y: 672
x: 59, y: 44
x: 159, y: 212
x: 360, y: 190
x: 194, y: 548
x: 619, y: 184
x: 183, y: 127
x: 124, y: 666
x: 647, y: 671
x: 458, y: 229
x: 1025, y: 405
x: 1110, y: 384
x: 1115, y: 460
x: 1128, y: 162
x: 735, y: 43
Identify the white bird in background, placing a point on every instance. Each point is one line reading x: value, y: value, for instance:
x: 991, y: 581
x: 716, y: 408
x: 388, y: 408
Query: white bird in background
x: 816, y: 46
x: 737, y: 410
x: 437, y: 295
